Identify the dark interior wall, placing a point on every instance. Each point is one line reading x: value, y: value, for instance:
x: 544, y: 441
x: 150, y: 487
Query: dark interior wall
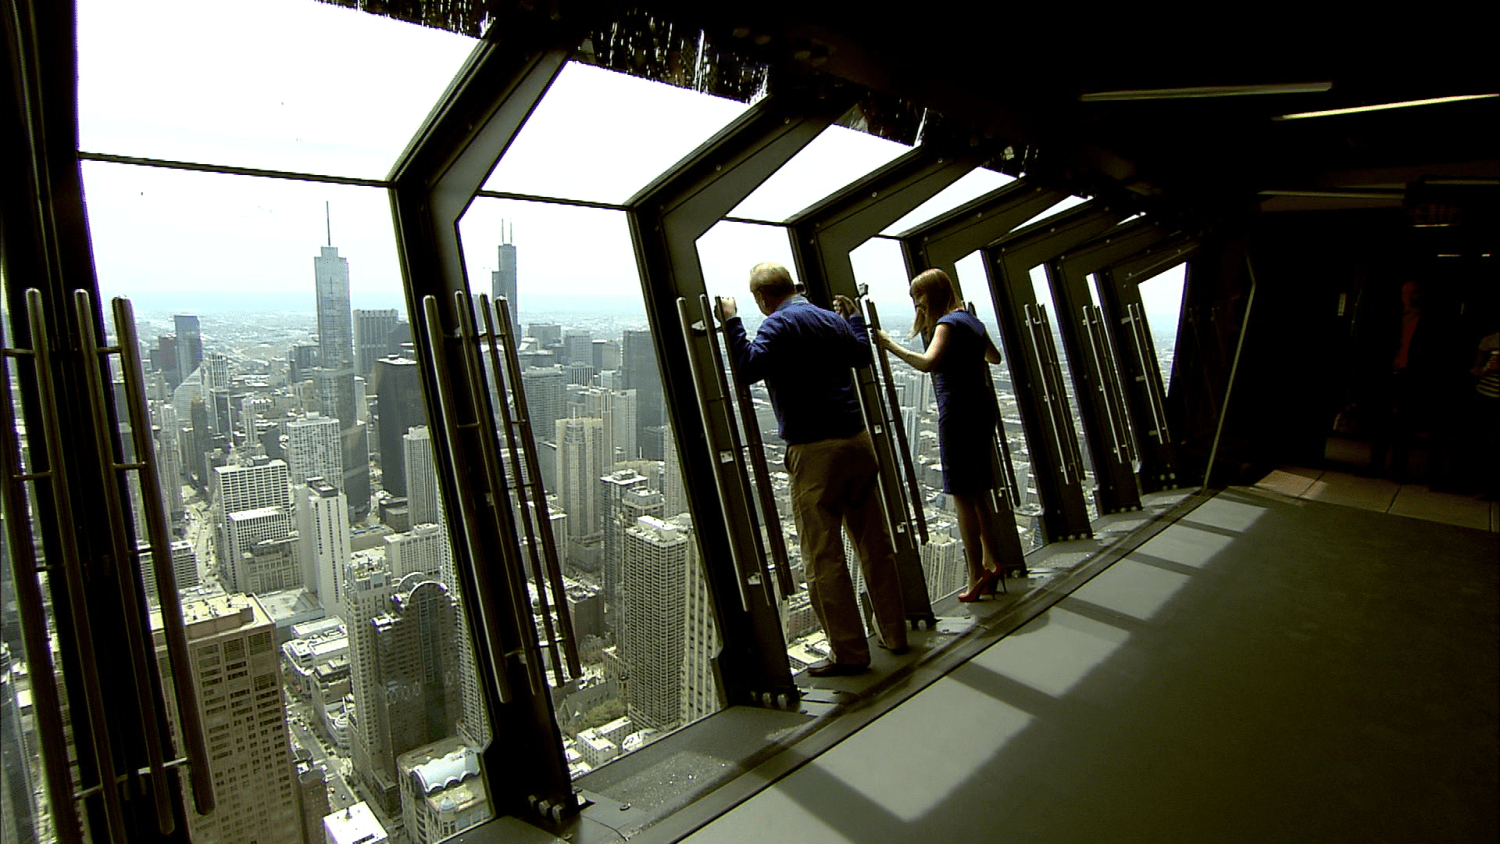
x: 1326, y: 322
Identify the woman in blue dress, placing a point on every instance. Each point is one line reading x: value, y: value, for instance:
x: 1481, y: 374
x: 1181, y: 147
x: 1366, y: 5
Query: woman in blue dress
x: 958, y: 358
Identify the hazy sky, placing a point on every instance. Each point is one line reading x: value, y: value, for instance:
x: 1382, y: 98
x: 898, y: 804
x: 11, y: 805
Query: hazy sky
x: 306, y: 87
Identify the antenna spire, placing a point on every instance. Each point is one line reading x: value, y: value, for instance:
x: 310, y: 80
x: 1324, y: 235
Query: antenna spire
x: 328, y: 216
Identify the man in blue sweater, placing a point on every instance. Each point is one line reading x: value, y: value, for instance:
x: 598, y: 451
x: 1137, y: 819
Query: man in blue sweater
x: 805, y: 353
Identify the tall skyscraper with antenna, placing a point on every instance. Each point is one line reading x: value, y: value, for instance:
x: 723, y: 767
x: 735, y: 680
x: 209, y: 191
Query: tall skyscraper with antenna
x: 336, y: 380
x: 503, y: 280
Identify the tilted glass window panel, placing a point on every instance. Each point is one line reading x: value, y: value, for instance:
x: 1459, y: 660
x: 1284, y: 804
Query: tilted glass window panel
x: 728, y: 251
x: 1162, y: 297
x: 878, y: 263
x: 976, y: 289
x: 1043, y: 292
x: 289, y: 85
x: 609, y: 469
x: 838, y: 155
x: 971, y: 185
x: 1070, y: 202
x: 601, y: 136
x: 272, y: 320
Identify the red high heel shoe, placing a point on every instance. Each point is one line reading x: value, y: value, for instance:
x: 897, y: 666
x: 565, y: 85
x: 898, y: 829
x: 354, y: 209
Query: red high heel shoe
x: 986, y: 584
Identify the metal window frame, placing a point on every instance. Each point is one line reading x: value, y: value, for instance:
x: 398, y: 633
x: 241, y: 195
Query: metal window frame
x: 1008, y: 262
x: 1120, y: 262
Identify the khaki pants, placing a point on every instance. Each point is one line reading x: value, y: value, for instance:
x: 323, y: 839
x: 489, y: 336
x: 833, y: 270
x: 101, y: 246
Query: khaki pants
x: 835, y: 483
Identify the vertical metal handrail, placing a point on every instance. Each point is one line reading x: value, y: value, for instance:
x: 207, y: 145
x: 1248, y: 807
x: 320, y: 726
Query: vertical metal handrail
x: 448, y: 430
x: 72, y: 567
x: 1154, y: 401
x: 546, y: 569
x: 126, y: 562
x: 550, y: 556
x: 903, y: 444
x: 1048, y: 397
x: 1109, y: 386
x: 483, y: 426
x: 47, y: 702
x: 174, y: 629
x: 719, y: 457
x: 1001, y: 447
x: 756, y: 448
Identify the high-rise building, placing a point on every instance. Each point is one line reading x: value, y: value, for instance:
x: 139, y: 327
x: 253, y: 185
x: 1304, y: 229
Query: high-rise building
x: 578, y: 346
x: 323, y: 525
x: 19, y: 786
x: 503, y: 280
x: 314, y: 449
x: 605, y: 355
x: 238, y: 488
x: 546, y: 399
x: 654, y: 589
x: 404, y: 671
x: 422, y: 549
x: 442, y: 791
x: 372, y: 337
x: 335, y: 323
x: 243, y: 531
x: 397, y: 386
x: 624, y: 497
x: 701, y: 695
x: 673, y: 490
x: 237, y: 673
x: 580, y: 464
x: 638, y: 360
x: 272, y: 565
x: 189, y: 344
x: 424, y: 503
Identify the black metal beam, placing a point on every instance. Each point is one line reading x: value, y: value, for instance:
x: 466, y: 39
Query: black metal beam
x: 1056, y: 464
x: 666, y: 220
x: 434, y: 183
x: 1121, y: 261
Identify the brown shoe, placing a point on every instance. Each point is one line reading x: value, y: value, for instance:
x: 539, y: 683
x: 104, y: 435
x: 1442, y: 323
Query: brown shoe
x: 837, y: 669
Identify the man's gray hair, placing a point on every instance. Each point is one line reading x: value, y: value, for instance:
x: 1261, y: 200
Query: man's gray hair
x: 771, y: 280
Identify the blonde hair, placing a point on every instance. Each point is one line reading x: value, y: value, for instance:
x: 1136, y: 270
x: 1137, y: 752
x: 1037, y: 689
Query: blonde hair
x: 942, y: 299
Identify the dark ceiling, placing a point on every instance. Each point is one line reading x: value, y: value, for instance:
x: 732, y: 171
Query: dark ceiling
x: 1013, y: 74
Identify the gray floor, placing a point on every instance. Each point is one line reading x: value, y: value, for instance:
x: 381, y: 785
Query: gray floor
x: 1268, y: 669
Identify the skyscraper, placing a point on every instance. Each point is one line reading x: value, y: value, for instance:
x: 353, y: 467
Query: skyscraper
x: 237, y: 673
x: 237, y: 488
x: 580, y: 464
x: 503, y: 280
x: 638, y: 360
x: 335, y: 325
x: 403, y: 639
x: 189, y: 345
x: 398, y: 388
x: 424, y: 504
x: 314, y: 449
x: 323, y: 525
x: 655, y: 601
x: 372, y: 338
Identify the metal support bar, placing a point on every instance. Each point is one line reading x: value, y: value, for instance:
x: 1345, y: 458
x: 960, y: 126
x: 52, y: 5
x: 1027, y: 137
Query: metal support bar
x: 725, y: 472
x: 447, y: 425
x: 757, y: 451
x: 125, y: 568
x: 546, y: 567
x: 72, y: 568
x: 174, y: 631
x: 497, y: 500
x: 902, y: 443
x: 1137, y: 322
x: 1051, y: 392
x: 31, y: 611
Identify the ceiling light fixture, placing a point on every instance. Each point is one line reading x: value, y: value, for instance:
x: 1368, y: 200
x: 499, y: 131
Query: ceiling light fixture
x: 1339, y: 193
x: 1383, y: 106
x: 1205, y: 91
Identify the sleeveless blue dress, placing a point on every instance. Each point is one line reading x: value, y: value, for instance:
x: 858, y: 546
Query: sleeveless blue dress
x: 966, y: 407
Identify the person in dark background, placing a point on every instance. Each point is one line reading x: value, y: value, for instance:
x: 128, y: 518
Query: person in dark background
x: 1415, y: 399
